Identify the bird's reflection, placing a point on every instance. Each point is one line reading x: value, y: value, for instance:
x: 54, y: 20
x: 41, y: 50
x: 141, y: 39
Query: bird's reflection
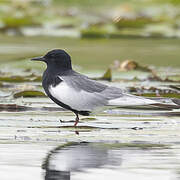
x: 62, y: 161
x: 57, y: 175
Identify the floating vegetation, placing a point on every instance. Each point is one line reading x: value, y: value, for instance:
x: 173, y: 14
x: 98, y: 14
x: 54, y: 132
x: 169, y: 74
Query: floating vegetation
x: 176, y: 87
x: 14, y: 79
x: 52, y: 19
x: 94, y: 33
x: 132, y: 145
x: 107, y: 75
x: 29, y: 94
x: 129, y: 65
x: 167, y: 95
x: 133, y: 22
x: 151, y: 89
x: 155, y: 77
x: 16, y: 22
x: 12, y: 107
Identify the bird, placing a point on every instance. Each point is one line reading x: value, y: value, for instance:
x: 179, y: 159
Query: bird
x: 81, y: 94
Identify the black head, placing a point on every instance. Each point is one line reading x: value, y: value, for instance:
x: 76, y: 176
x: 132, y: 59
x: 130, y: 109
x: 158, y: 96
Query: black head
x: 56, y: 58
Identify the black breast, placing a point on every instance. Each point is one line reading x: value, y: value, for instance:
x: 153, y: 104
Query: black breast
x: 50, y: 79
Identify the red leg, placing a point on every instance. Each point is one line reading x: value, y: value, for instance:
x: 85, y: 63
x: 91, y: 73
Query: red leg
x: 76, y: 120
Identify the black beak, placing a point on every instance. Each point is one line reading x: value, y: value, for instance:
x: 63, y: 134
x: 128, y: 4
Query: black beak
x: 38, y: 59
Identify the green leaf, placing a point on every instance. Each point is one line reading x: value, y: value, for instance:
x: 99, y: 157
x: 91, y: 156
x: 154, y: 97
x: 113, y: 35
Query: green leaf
x: 29, y: 94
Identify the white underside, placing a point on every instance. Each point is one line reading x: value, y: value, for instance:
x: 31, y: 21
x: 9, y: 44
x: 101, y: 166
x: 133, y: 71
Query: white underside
x: 78, y: 100
x: 86, y: 101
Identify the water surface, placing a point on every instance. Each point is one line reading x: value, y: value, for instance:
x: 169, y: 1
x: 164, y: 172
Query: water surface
x: 123, y: 143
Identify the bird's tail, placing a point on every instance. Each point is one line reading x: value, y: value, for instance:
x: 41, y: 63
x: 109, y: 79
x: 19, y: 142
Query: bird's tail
x: 130, y: 100
x: 168, y: 103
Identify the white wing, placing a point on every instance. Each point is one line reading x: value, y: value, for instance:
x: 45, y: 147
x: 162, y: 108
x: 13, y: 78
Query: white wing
x: 130, y: 100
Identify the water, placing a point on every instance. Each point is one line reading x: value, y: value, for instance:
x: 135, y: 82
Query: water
x: 112, y: 160
x: 90, y: 55
x: 36, y: 142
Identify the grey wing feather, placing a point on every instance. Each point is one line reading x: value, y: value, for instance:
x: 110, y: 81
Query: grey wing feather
x: 92, y: 94
x: 81, y: 82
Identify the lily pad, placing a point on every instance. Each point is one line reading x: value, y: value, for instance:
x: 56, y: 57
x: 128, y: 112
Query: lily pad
x: 31, y: 78
x: 12, y: 22
x: 93, y: 33
x: 13, y: 79
x: 137, y: 22
x: 168, y: 95
x: 29, y: 94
